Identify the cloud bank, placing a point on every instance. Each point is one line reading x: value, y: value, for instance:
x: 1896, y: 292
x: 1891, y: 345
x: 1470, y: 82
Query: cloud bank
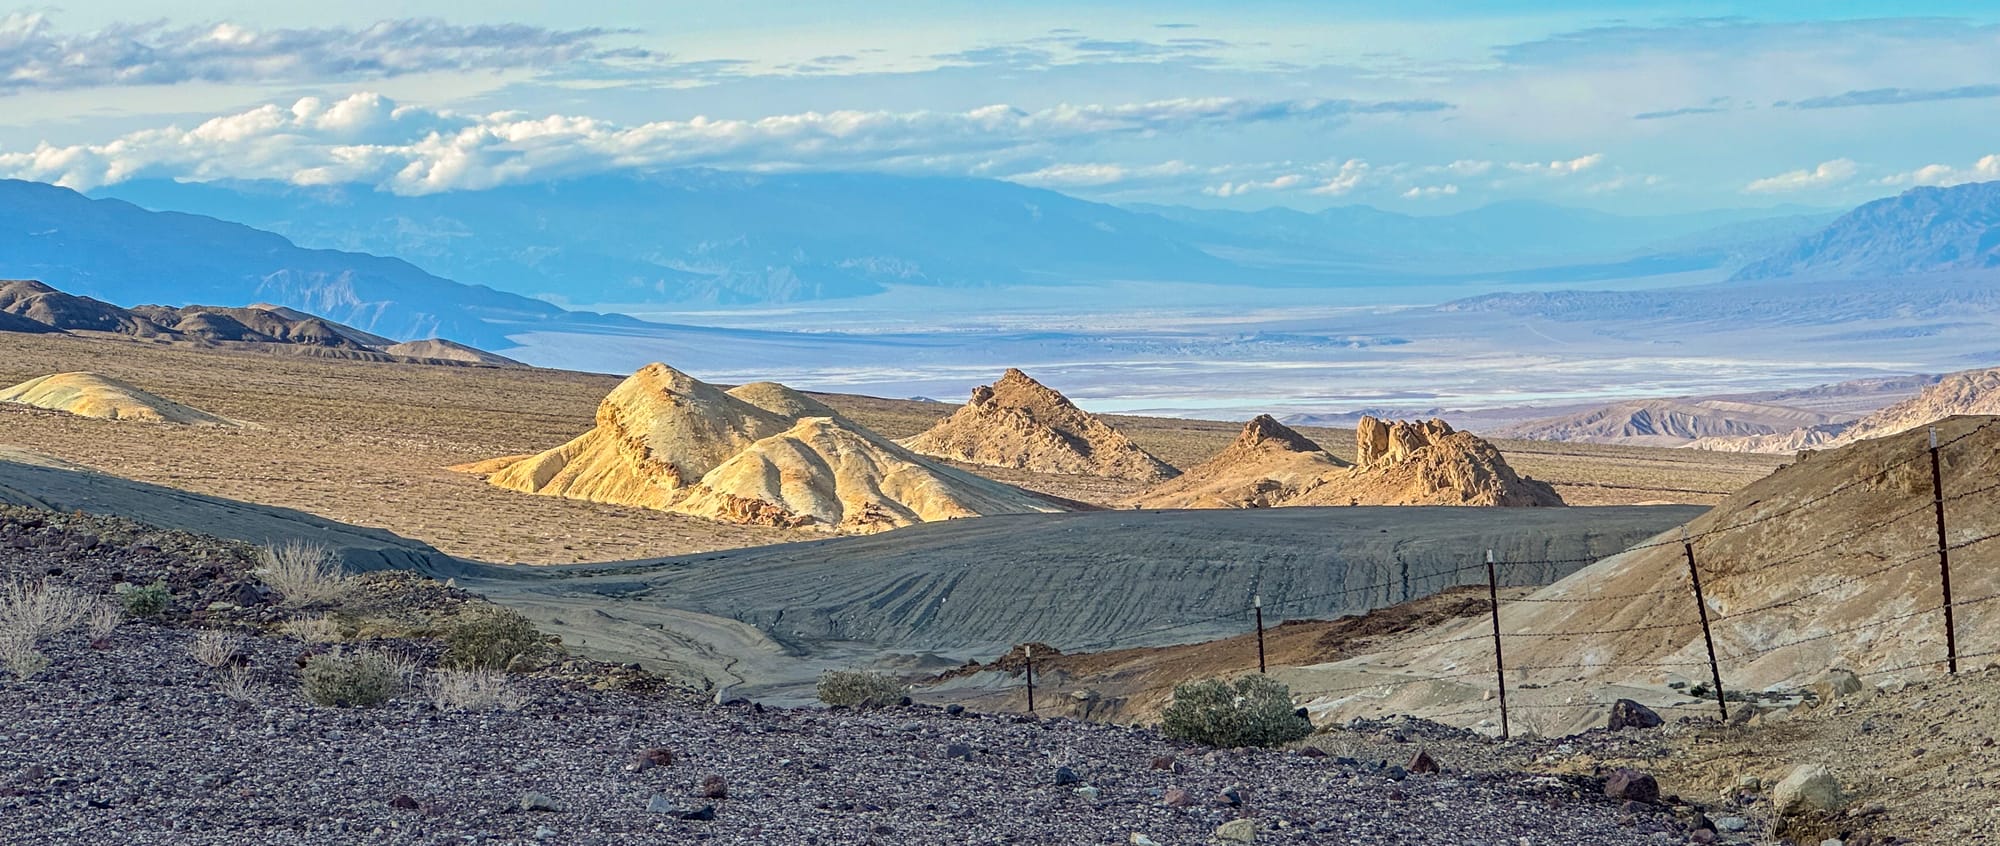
x: 34, y: 55
x: 370, y: 139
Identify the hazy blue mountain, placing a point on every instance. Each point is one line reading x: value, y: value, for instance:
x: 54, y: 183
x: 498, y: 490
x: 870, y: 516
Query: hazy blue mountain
x: 699, y: 236
x: 707, y: 236
x: 1501, y: 236
x: 118, y: 252
x: 1923, y: 230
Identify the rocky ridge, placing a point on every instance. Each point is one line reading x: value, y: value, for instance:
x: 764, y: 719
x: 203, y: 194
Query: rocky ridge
x: 1964, y: 392
x: 1020, y: 423
x: 1399, y: 463
x: 760, y: 454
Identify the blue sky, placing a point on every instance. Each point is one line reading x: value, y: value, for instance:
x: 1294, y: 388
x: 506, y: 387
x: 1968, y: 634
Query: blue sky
x: 1628, y: 107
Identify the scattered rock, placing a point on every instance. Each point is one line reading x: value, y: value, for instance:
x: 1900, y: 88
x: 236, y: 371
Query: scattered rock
x: 1237, y: 831
x: 649, y: 758
x: 1810, y: 787
x: 1626, y: 713
x: 1177, y: 797
x: 1168, y: 763
x: 1138, y: 839
x: 533, y: 801
x: 954, y: 709
x: 713, y: 787
x: 1065, y: 775
x: 1233, y: 797
x: 959, y: 751
x: 403, y: 802
x: 1836, y: 684
x: 1633, y: 785
x: 1731, y: 824
x: 1422, y: 763
x: 1089, y: 793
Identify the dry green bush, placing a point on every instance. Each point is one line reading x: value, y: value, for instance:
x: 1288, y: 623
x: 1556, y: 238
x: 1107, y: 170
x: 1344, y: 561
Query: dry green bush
x: 1255, y: 711
x: 142, y: 602
x: 493, y: 639
x: 859, y: 689
x: 303, y: 572
x: 473, y: 690
x: 351, y: 679
x: 317, y: 628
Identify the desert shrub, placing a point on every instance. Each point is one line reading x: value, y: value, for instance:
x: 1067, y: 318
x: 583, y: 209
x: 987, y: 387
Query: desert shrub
x: 235, y: 683
x: 102, y: 621
x: 303, y: 572
x: 492, y: 639
x: 29, y: 612
x: 20, y: 656
x: 214, y: 649
x: 148, y: 601
x: 858, y: 689
x: 473, y: 690
x: 317, y: 628
x: 1254, y: 711
x: 351, y: 679
x: 39, y: 609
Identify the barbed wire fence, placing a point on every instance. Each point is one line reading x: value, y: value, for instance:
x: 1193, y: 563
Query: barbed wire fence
x: 1702, y: 573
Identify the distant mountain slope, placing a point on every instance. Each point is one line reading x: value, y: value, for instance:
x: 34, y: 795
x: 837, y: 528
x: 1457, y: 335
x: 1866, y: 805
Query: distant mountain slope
x: 1668, y: 422
x: 115, y: 251
x: 707, y: 236
x: 1923, y: 230
x: 1970, y: 392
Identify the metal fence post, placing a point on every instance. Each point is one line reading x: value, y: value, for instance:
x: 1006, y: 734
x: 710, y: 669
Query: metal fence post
x: 1499, y: 664
x: 1029, y: 651
x: 1257, y: 602
x: 1944, y: 557
x: 1701, y: 603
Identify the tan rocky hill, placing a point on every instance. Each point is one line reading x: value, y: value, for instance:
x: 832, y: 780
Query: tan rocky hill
x: 761, y: 454
x: 438, y: 349
x: 1427, y: 463
x: 94, y: 395
x: 1267, y: 465
x: 1020, y: 423
x: 1670, y: 422
x: 1400, y: 463
x: 1964, y: 392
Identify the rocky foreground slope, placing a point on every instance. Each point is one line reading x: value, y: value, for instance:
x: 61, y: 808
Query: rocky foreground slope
x: 138, y: 739
x: 1022, y: 424
x: 1400, y: 463
x: 761, y: 454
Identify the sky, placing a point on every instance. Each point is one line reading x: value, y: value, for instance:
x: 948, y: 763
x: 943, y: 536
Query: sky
x: 1629, y: 107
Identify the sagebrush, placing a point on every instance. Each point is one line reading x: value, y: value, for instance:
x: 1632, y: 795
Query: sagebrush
x: 493, y: 639
x: 859, y: 689
x: 473, y: 690
x: 1254, y: 711
x: 303, y: 572
x: 351, y: 679
x: 30, y: 612
x: 317, y: 628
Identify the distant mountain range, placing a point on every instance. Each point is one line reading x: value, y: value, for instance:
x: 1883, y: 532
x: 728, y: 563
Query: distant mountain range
x: 1923, y: 230
x: 118, y: 252
x: 698, y: 236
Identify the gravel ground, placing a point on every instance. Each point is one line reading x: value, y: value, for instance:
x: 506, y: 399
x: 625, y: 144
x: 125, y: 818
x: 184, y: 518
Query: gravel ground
x: 134, y: 741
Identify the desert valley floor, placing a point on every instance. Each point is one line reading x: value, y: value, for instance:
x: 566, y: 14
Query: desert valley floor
x: 369, y: 443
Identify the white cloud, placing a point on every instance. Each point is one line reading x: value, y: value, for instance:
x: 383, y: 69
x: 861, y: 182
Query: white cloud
x: 1096, y: 175
x: 1285, y: 182
x: 1422, y: 192
x: 1987, y: 169
x: 371, y: 139
x: 1827, y: 173
x: 35, y: 56
x: 1350, y: 176
x: 1565, y: 167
